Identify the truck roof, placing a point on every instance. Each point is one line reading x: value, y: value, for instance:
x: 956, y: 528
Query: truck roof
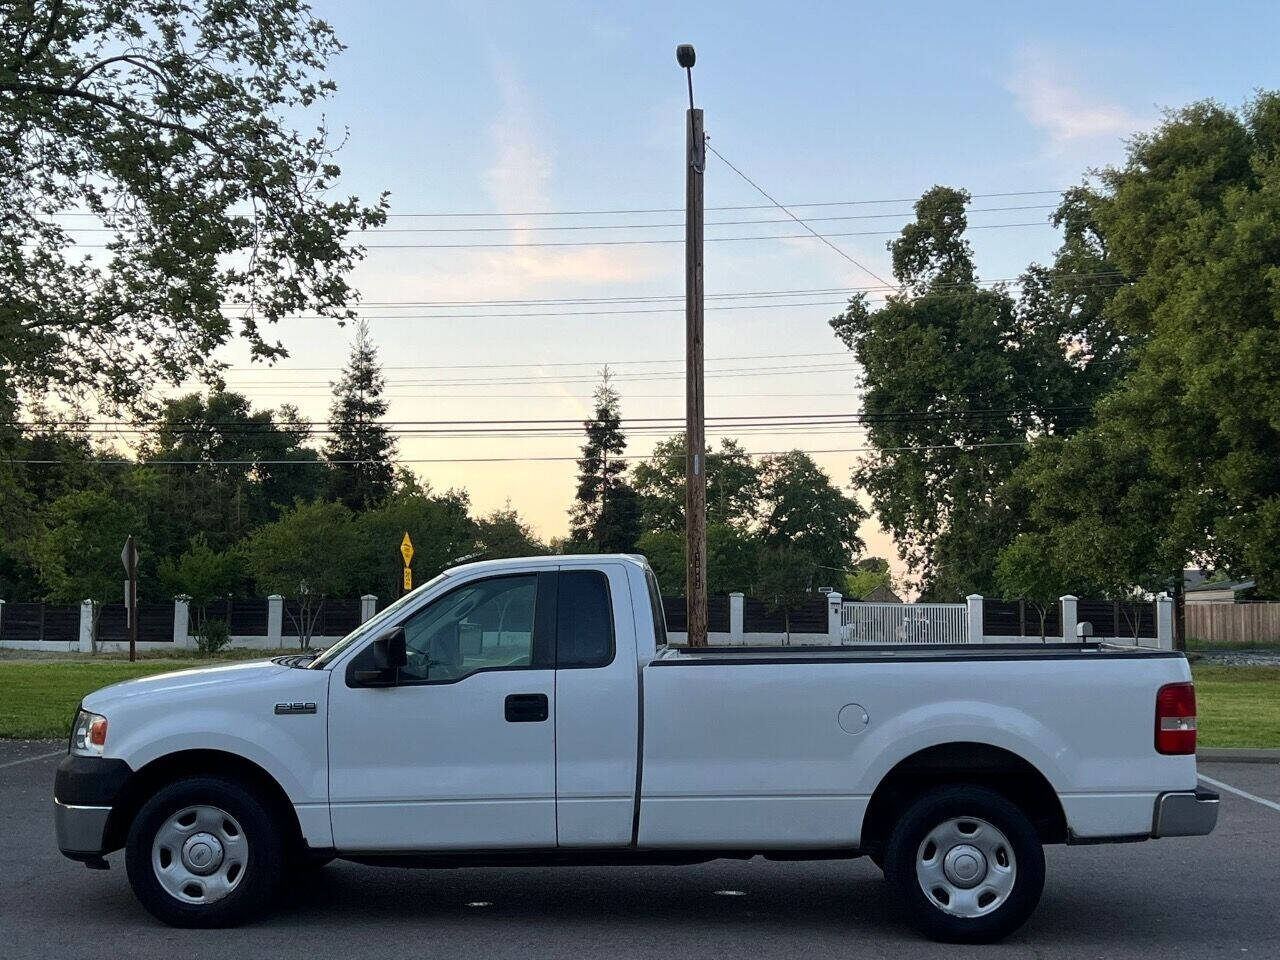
x: 553, y: 560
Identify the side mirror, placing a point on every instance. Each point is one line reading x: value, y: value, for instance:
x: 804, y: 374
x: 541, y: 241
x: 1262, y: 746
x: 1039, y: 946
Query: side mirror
x: 380, y: 662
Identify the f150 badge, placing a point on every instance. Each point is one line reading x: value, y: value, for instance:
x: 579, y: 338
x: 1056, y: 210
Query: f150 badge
x: 296, y: 707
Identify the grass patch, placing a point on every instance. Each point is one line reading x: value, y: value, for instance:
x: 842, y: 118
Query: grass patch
x: 1237, y: 706
x: 38, y: 697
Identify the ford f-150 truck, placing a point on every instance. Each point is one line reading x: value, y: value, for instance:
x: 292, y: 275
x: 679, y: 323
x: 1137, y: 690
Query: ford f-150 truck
x: 531, y: 712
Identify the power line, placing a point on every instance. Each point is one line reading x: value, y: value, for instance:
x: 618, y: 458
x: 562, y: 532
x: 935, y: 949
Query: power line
x: 744, y: 295
x: 293, y: 463
x: 629, y: 243
x: 602, y: 213
x: 759, y: 189
x: 632, y: 226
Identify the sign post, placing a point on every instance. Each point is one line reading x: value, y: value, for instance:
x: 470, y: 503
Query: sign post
x: 129, y: 557
x: 406, y: 551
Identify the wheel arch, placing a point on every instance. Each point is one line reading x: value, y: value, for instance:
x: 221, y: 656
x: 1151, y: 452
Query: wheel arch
x: 964, y: 762
x: 171, y: 767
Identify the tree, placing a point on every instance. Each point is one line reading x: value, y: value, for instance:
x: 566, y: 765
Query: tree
x: 502, y: 534
x: 76, y: 551
x: 360, y: 449
x: 605, y: 516
x: 1193, y: 219
x: 227, y: 468
x: 170, y: 123
x: 867, y: 574
x: 310, y: 554
x: 801, y: 508
x: 203, y: 575
x: 956, y: 378
x: 732, y: 558
x: 733, y: 485
x: 1029, y: 569
x: 439, y: 526
x: 785, y: 580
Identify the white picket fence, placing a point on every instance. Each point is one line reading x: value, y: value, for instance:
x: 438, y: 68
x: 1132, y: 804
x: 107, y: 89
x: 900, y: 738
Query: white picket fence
x: 904, y: 623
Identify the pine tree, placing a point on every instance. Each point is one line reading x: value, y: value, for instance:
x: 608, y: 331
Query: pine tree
x: 358, y: 432
x: 606, y: 514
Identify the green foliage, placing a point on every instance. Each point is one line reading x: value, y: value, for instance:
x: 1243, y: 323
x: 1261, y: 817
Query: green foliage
x: 313, y: 552
x: 503, y: 534
x: 439, y: 526
x: 868, y: 574
x: 986, y: 371
x: 213, y: 634
x: 357, y: 431
x: 246, y: 468
x: 732, y: 559
x: 172, y: 122
x: 202, y: 574
x: 802, y: 509
x: 605, y: 516
x: 733, y: 485
x: 785, y: 580
x: 1030, y: 569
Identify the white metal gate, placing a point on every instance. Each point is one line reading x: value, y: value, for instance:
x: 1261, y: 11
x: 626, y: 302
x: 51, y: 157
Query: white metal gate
x: 904, y: 623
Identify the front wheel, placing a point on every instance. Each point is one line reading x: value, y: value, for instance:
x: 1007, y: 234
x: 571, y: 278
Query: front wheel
x: 967, y: 864
x: 204, y: 852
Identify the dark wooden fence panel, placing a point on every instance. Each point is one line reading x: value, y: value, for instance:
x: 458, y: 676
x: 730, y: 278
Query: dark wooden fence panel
x: 811, y: 617
x: 25, y: 621
x: 1100, y: 613
x: 61, y: 621
x: 1000, y: 618
x: 339, y: 618
x: 677, y: 614
x: 247, y: 617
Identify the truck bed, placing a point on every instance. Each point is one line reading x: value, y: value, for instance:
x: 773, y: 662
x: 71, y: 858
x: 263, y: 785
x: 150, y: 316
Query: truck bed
x: 866, y: 653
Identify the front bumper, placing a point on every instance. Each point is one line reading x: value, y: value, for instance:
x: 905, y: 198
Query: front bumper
x: 81, y: 831
x: 84, y: 791
x: 1187, y: 813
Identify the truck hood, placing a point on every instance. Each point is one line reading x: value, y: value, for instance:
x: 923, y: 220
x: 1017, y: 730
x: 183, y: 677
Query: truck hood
x: 198, y: 681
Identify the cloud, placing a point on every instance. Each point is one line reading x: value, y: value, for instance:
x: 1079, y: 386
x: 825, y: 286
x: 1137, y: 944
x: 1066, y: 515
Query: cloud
x: 1050, y: 98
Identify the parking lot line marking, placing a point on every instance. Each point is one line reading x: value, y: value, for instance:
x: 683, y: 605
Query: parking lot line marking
x: 1240, y: 793
x: 43, y: 756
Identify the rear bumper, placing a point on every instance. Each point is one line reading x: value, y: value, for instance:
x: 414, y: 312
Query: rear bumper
x: 1189, y: 813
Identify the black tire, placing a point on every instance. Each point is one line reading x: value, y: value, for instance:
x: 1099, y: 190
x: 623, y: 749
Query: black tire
x: 877, y: 857
x: 907, y: 840
x: 253, y: 891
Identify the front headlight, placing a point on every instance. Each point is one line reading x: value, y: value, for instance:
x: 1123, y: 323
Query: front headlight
x: 88, y: 734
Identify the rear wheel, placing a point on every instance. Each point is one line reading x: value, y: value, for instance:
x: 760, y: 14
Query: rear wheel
x: 967, y: 864
x: 204, y: 852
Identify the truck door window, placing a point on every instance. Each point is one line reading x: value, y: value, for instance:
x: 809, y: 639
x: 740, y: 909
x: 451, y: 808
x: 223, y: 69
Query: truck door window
x: 484, y: 625
x: 584, y: 620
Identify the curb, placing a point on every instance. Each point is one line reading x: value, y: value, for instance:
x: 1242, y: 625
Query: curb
x: 1237, y: 755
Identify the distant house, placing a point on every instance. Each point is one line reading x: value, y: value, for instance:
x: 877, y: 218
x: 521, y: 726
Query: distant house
x: 1217, y: 591
x: 881, y: 594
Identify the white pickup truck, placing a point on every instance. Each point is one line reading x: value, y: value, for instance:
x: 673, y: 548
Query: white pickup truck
x: 531, y: 712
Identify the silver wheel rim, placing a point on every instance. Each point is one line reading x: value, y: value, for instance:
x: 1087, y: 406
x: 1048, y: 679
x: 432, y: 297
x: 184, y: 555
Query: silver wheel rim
x: 200, y: 854
x: 966, y: 867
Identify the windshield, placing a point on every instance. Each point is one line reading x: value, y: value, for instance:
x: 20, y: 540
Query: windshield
x: 370, y: 626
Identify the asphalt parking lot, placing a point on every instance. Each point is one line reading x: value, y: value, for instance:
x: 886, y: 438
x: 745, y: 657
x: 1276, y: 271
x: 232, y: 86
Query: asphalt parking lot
x: 1215, y: 896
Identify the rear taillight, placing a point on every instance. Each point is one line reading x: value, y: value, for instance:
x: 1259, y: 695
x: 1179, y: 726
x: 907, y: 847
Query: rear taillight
x: 1176, y: 718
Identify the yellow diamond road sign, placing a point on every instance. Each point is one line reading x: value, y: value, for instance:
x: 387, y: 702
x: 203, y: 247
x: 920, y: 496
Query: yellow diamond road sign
x: 406, y: 549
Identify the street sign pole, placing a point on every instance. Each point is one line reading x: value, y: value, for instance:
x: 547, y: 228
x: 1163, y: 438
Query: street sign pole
x: 129, y: 557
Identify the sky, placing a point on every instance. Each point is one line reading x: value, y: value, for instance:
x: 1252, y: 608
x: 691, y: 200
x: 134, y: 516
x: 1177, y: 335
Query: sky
x: 517, y: 109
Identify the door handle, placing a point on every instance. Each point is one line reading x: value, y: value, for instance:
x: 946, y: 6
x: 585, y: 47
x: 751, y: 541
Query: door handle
x: 526, y: 707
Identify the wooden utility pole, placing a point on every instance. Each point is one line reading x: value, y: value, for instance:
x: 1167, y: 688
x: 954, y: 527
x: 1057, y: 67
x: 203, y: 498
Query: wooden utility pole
x: 129, y: 557
x: 695, y: 502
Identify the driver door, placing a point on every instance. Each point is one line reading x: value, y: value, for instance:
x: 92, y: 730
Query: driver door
x: 460, y: 752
